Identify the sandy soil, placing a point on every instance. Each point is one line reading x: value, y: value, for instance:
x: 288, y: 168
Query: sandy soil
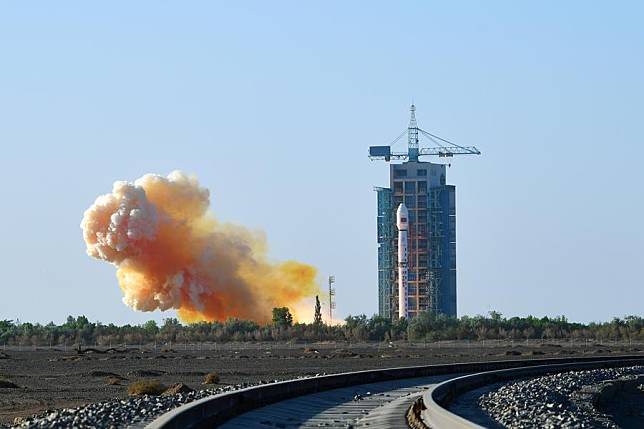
x: 50, y: 379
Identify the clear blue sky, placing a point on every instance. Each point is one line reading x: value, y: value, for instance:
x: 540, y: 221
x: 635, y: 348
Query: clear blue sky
x: 273, y: 105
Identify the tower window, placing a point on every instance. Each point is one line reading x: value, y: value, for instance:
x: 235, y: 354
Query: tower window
x: 411, y: 303
x: 400, y: 173
x: 421, y: 172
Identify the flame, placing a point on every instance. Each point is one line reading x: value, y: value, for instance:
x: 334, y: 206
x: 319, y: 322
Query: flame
x: 171, y: 253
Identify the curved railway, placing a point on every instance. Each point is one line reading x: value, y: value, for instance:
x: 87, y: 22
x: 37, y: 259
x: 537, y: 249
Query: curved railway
x: 374, y: 398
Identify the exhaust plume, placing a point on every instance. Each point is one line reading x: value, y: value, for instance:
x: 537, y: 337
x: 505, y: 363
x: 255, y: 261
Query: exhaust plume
x: 171, y: 253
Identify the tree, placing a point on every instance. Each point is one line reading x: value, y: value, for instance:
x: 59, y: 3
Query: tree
x: 171, y: 327
x: 282, y: 317
x: 5, y: 325
x: 82, y: 322
x: 317, y: 319
x: 150, y: 327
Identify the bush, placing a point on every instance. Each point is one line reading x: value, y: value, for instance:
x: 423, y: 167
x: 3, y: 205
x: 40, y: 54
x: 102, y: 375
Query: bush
x: 145, y: 387
x: 178, y: 388
x: 211, y: 378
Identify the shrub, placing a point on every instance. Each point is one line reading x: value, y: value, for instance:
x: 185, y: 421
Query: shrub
x: 145, y: 387
x: 178, y: 388
x: 211, y: 378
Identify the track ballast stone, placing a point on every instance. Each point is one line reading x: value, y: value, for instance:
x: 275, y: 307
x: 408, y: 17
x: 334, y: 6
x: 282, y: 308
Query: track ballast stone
x: 551, y: 401
x: 121, y: 413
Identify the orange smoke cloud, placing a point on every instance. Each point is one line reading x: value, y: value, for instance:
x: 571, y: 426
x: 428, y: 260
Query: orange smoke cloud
x: 171, y: 253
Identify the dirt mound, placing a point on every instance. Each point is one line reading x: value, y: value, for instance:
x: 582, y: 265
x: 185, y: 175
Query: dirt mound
x: 72, y: 358
x: 145, y: 373
x: 98, y: 373
x: 191, y: 373
x: 4, y: 384
x: 80, y: 350
x: 113, y: 381
x: 343, y: 353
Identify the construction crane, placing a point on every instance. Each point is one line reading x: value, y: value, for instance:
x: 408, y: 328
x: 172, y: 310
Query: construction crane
x: 444, y: 148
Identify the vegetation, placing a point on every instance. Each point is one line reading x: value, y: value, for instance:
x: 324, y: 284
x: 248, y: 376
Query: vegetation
x: 145, y: 387
x: 211, y: 378
x: 426, y: 327
x: 282, y: 317
x: 317, y: 318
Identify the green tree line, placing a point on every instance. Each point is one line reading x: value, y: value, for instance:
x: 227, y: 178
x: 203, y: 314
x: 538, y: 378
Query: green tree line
x: 425, y: 327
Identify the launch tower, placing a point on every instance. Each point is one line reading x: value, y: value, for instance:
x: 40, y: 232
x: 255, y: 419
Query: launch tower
x: 431, y: 228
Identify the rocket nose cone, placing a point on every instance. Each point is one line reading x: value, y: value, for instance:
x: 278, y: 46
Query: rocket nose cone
x: 401, y: 216
x: 402, y: 210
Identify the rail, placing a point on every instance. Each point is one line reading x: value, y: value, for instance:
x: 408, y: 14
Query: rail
x: 217, y: 409
x: 436, y: 400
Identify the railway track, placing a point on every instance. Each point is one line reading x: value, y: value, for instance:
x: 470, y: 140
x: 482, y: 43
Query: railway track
x: 374, y: 398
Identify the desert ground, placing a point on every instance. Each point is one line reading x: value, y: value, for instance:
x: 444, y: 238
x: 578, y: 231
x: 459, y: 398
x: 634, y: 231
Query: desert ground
x: 59, y: 378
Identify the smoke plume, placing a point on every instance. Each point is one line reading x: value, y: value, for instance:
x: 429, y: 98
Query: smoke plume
x: 171, y: 253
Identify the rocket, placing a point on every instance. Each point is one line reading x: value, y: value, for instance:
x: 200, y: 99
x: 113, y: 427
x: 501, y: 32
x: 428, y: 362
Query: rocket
x: 403, y: 227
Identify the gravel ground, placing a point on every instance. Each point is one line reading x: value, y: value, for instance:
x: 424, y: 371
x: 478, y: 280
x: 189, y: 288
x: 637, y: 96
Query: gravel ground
x: 552, y: 401
x: 134, y: 411
x: 63, y: 379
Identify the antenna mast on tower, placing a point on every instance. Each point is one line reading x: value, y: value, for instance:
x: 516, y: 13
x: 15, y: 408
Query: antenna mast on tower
x: 412, y: 135
x: 331, y: 298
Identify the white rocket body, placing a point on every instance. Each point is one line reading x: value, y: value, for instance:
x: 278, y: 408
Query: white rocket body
x: 402, y: 222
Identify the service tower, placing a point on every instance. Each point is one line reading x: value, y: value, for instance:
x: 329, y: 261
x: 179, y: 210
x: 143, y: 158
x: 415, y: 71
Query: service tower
x: 421, y: 187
